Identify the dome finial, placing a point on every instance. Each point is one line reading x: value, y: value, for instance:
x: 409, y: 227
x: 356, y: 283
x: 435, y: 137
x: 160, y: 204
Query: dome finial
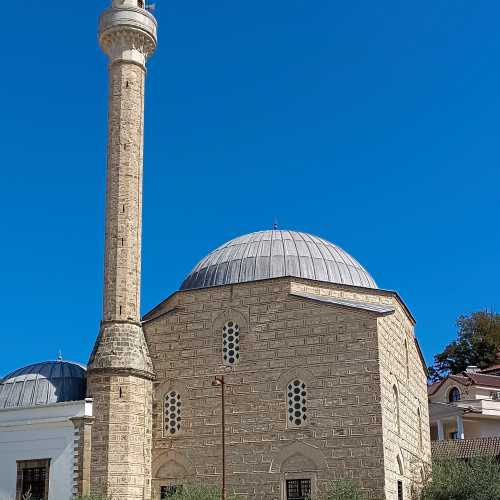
x: 275, y: 225
x: 59, y: 355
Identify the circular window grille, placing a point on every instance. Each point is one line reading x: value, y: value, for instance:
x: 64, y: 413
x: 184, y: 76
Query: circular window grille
x: 172, y: 412
x: 231, y: 343
x: 297, y: 403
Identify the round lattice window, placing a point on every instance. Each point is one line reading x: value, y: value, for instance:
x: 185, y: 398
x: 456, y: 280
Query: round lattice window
x: 231, y: 343
x: 172, y: 413
x: 297, y: 403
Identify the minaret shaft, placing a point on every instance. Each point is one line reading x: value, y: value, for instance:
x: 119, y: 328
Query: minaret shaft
x: 122, y: 278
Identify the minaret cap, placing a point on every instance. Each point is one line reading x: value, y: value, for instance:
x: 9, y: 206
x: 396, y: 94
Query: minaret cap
x: 128, y: 32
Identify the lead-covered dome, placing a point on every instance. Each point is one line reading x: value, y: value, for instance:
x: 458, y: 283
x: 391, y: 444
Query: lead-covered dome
x: 274, y: 254
x: 43, y: 383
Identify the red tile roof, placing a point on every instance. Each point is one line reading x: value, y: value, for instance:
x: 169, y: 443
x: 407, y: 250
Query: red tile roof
x: 466, y: 448
x: 493, y: 368
x: 432, y: 388
x: 483, y: 379
x: 467, y: 378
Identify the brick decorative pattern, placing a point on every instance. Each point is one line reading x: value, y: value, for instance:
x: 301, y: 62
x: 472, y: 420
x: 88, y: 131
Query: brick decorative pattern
x: 348, y: 358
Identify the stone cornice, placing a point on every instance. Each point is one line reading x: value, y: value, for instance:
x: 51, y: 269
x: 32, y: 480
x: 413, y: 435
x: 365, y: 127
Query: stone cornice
x: 127, y: 38
x: 86, y: 419
x: 121, y: 371
x: 128, y: 34
x: 121, y: 322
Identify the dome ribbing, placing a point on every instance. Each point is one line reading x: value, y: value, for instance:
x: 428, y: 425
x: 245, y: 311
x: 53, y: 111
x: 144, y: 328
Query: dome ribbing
x: 43, y: 383
x: 277, y: 253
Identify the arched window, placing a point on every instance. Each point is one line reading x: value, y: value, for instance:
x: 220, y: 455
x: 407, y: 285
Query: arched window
x: 454, y: 395
x: 396, y: 407
x: 400, y: 487
x: 140, y: 3
x: 407, y: 358
x: 172, y: 413
x: 231, y: 343
x: 419, y: 416
x: 297, y: 403
x: 400, y: 466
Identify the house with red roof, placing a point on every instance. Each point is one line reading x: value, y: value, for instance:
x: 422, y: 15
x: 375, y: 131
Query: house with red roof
x: 466, y: 406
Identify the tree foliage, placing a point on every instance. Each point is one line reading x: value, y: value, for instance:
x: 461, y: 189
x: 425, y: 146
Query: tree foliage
x: 197, y: 492
x: 478, y: 479
x: 343, y: 489
x: 29, y: 496
x: 477, y: 343
x: 92, y: 497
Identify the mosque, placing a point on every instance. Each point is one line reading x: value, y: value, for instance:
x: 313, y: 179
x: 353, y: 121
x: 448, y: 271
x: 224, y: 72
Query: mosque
x: 278, y: 366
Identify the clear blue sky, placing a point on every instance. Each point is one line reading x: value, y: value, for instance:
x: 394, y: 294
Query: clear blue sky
x: 372, y: 124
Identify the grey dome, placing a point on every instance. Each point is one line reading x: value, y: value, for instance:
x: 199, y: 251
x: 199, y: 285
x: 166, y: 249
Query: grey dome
x: 43, y: 383
x: 273, y: 254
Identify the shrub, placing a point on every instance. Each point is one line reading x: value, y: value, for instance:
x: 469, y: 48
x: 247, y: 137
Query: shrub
x: 92, y: 497
x: 478, y: 479
x: 343, y: 489
x: 196, y: 492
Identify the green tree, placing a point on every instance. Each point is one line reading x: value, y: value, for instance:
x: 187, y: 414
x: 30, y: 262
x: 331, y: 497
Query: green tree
x: 478, y: 479
x: 477, y: 343
x: 343, y: 489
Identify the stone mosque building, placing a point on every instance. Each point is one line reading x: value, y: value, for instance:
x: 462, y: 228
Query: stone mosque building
x: 278, y: 344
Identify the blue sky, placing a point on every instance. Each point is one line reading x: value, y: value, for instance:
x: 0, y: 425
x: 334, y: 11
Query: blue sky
x: 372, y: 124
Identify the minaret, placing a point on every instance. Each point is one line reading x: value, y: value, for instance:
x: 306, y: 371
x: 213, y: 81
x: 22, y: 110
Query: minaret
x: 120, y: 371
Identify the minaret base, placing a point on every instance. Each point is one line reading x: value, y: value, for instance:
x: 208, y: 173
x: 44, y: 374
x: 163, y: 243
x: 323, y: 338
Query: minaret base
x: 121, y: 435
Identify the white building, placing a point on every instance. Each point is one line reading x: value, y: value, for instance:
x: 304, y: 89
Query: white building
x: 42, y: 413
x: 465, y: 406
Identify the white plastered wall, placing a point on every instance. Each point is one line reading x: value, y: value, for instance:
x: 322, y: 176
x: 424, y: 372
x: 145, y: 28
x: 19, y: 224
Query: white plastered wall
x: 39, y: 433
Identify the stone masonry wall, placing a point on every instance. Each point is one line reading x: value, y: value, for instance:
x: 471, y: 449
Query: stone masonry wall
x: 401, y: 366
x: 121, y: 436
x: 333, y: 349
x: 410, y: 379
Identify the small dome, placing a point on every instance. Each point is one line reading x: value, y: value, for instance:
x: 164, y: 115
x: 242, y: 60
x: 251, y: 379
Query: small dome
x: 43, y: 383
x: 274, y: 254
